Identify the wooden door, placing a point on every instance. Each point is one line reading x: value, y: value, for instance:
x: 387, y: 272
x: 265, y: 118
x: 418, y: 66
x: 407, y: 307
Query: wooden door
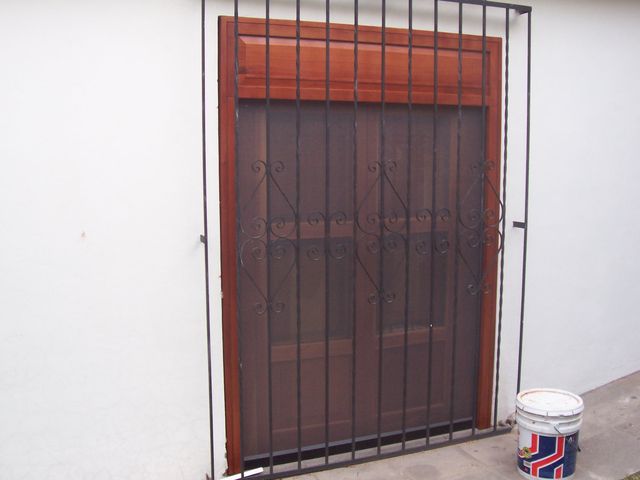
x: 357, y: 278
x: 422, y: 371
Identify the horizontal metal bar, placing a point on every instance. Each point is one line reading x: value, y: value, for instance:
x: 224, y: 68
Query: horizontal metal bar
x: 518, y: 8
x: 381, y: 456
x: 522, y: 225
x: 363, y: 442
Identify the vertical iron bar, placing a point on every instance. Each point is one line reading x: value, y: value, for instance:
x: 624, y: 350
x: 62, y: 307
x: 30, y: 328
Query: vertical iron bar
x: 526, y: 202
x: 381, y: 300
x: 268, y: 259
x: 327, y: 228
x: 354, y: 231
x: 483, y: 154
x: 236, y: 156
x: 408, y: 226
x: 206, y: 227
x: 298, y: 267
x: 504, y: 217
x: 434, y: 214
x: 457, y: 229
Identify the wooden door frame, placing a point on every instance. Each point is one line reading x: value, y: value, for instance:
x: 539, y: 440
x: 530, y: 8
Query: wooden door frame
x: 251, y: 84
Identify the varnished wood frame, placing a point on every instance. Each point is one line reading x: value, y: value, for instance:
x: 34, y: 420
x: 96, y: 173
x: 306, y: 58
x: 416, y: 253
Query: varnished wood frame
x: 251, y: 85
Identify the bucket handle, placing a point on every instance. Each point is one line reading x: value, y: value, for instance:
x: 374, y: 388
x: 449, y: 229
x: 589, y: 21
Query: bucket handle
x: 555, y: 426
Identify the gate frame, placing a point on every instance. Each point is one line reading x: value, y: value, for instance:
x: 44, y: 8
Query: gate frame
x: 228, y: 214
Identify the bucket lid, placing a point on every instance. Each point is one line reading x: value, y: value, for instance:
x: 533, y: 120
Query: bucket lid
x: 549, y: 402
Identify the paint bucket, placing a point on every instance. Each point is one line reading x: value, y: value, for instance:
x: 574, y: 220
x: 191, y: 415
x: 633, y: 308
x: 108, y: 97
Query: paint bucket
x: 549, y: 422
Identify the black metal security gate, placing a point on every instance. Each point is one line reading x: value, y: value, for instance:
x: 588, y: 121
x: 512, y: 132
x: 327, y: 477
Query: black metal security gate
x: 363, y: 178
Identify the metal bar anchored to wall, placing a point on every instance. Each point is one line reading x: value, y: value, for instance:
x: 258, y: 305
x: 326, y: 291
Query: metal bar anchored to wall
x: 240, y: 447
x: 204, y: 238
x: 504, y: 217
x: 407, y: 269
x: 354, y: 265
x: 457, y: 227
x: 298, y: 238
x: 526, y: 204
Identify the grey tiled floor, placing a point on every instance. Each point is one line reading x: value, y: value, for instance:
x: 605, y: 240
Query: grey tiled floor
x: 609, y: 438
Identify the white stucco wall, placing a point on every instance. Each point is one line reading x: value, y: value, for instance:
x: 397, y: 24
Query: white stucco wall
x: 103, y: 361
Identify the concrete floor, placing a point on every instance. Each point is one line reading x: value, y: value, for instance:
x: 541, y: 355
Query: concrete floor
x: 609, y: 438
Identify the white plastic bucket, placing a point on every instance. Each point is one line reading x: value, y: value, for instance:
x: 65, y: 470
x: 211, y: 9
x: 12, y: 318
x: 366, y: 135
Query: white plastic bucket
x: 549, y: 423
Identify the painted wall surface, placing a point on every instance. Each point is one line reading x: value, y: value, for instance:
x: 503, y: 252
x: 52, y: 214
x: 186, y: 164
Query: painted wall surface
x: 103, y: 355
x: 103, y: 360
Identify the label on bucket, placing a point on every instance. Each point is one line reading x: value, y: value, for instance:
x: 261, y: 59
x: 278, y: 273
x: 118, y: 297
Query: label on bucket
x: 542, y: 456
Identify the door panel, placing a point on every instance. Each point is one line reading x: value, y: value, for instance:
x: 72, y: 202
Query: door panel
x: 338, y: 270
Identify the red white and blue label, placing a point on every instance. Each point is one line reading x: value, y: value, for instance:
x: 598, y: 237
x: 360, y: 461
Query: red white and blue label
x: 549, y: 457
